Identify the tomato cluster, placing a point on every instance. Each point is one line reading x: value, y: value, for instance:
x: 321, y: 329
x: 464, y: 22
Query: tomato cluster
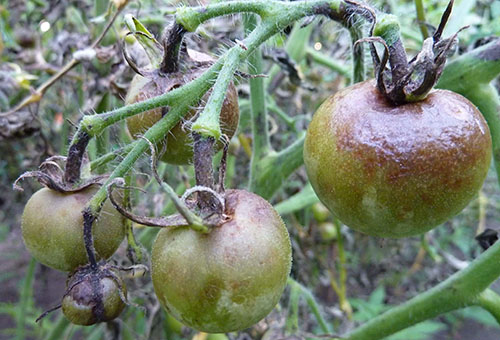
x: 382, y: 166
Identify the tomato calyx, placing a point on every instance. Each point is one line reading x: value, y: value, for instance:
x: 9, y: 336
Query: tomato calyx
x: 50, y: 174
x: 409, y: 81
x: 209, y: 206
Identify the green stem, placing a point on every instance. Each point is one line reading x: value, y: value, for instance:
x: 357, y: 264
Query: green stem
x: 95, y: 124
x: 490, y: 301
x: 195, y: 222
x: 259, y: 122
x: 140, y: 146
x: 460, y: 290
x: 421, y: 18
x: 208, y: 123
x: 311, y: 302
x: 343, y: 301
x: 191, y: 17
x: 304, y: 198
x: 292, y: 321
x: 274, y: 168
x: 109, y: 157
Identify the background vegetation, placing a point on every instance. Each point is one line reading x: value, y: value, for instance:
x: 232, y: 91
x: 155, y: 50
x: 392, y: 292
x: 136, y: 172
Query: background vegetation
x: 352, y: 278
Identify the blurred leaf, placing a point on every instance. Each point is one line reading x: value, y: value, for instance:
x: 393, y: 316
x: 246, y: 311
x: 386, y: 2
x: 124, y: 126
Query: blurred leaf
x: 421, y: 331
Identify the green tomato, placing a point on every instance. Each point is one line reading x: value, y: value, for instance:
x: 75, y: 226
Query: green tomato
x: 230, y: 278
x: 52, y: 228
x: 328, y: 231
x: 396, y: 171
x: 320, y: 212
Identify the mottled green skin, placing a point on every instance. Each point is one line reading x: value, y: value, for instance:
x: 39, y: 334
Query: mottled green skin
x: 396, y: 171
x: 229, y: 279
x: 80, y: 305
x: 176, y: 148
x: 52, y: 228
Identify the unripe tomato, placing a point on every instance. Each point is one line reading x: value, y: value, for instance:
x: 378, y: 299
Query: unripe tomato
x: 230, y: 278
x: 177, y: 147
x: 396, y: 171
x: 327, y: 231
x: 320, y: 212
x: 83, y: 305
x: 52, y: 228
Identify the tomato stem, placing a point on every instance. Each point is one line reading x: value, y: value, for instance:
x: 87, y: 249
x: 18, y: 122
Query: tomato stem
x: 172, y: 46
x: 204, y: 171
x: 75, y: 157
x: 88, y: 239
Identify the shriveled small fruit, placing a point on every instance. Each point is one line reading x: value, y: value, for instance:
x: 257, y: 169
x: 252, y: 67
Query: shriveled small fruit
x: 52, y: 228
x: 93, y: 298
x: 396, y: 170
x: 230, y: 278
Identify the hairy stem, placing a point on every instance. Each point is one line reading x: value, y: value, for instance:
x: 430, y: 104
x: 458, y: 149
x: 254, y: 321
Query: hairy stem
x: 75, y: 157
x: 204, y: 171
x: 172, y: 47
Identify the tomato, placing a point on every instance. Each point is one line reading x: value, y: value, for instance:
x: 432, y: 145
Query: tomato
x: 327, y: 231
x: 396, y: 171
x: 230, y: 278
x: 52, y: 228
x: 88, y: 303
x: 176, y: 148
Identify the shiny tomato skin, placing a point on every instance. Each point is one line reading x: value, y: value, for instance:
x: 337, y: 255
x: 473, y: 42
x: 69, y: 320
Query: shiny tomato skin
x: 230, y: 278
x: 396, y: 171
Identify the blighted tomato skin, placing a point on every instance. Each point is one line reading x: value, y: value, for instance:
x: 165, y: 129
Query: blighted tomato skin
x: 177, y: 148
x: 52, y: 228
x: 81, y: 304
x: 396, y: 171
x: 230, y: 278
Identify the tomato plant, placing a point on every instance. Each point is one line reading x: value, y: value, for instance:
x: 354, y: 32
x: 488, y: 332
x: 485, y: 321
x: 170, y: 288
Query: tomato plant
x: 396, y: 171
x: 390, y: 157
